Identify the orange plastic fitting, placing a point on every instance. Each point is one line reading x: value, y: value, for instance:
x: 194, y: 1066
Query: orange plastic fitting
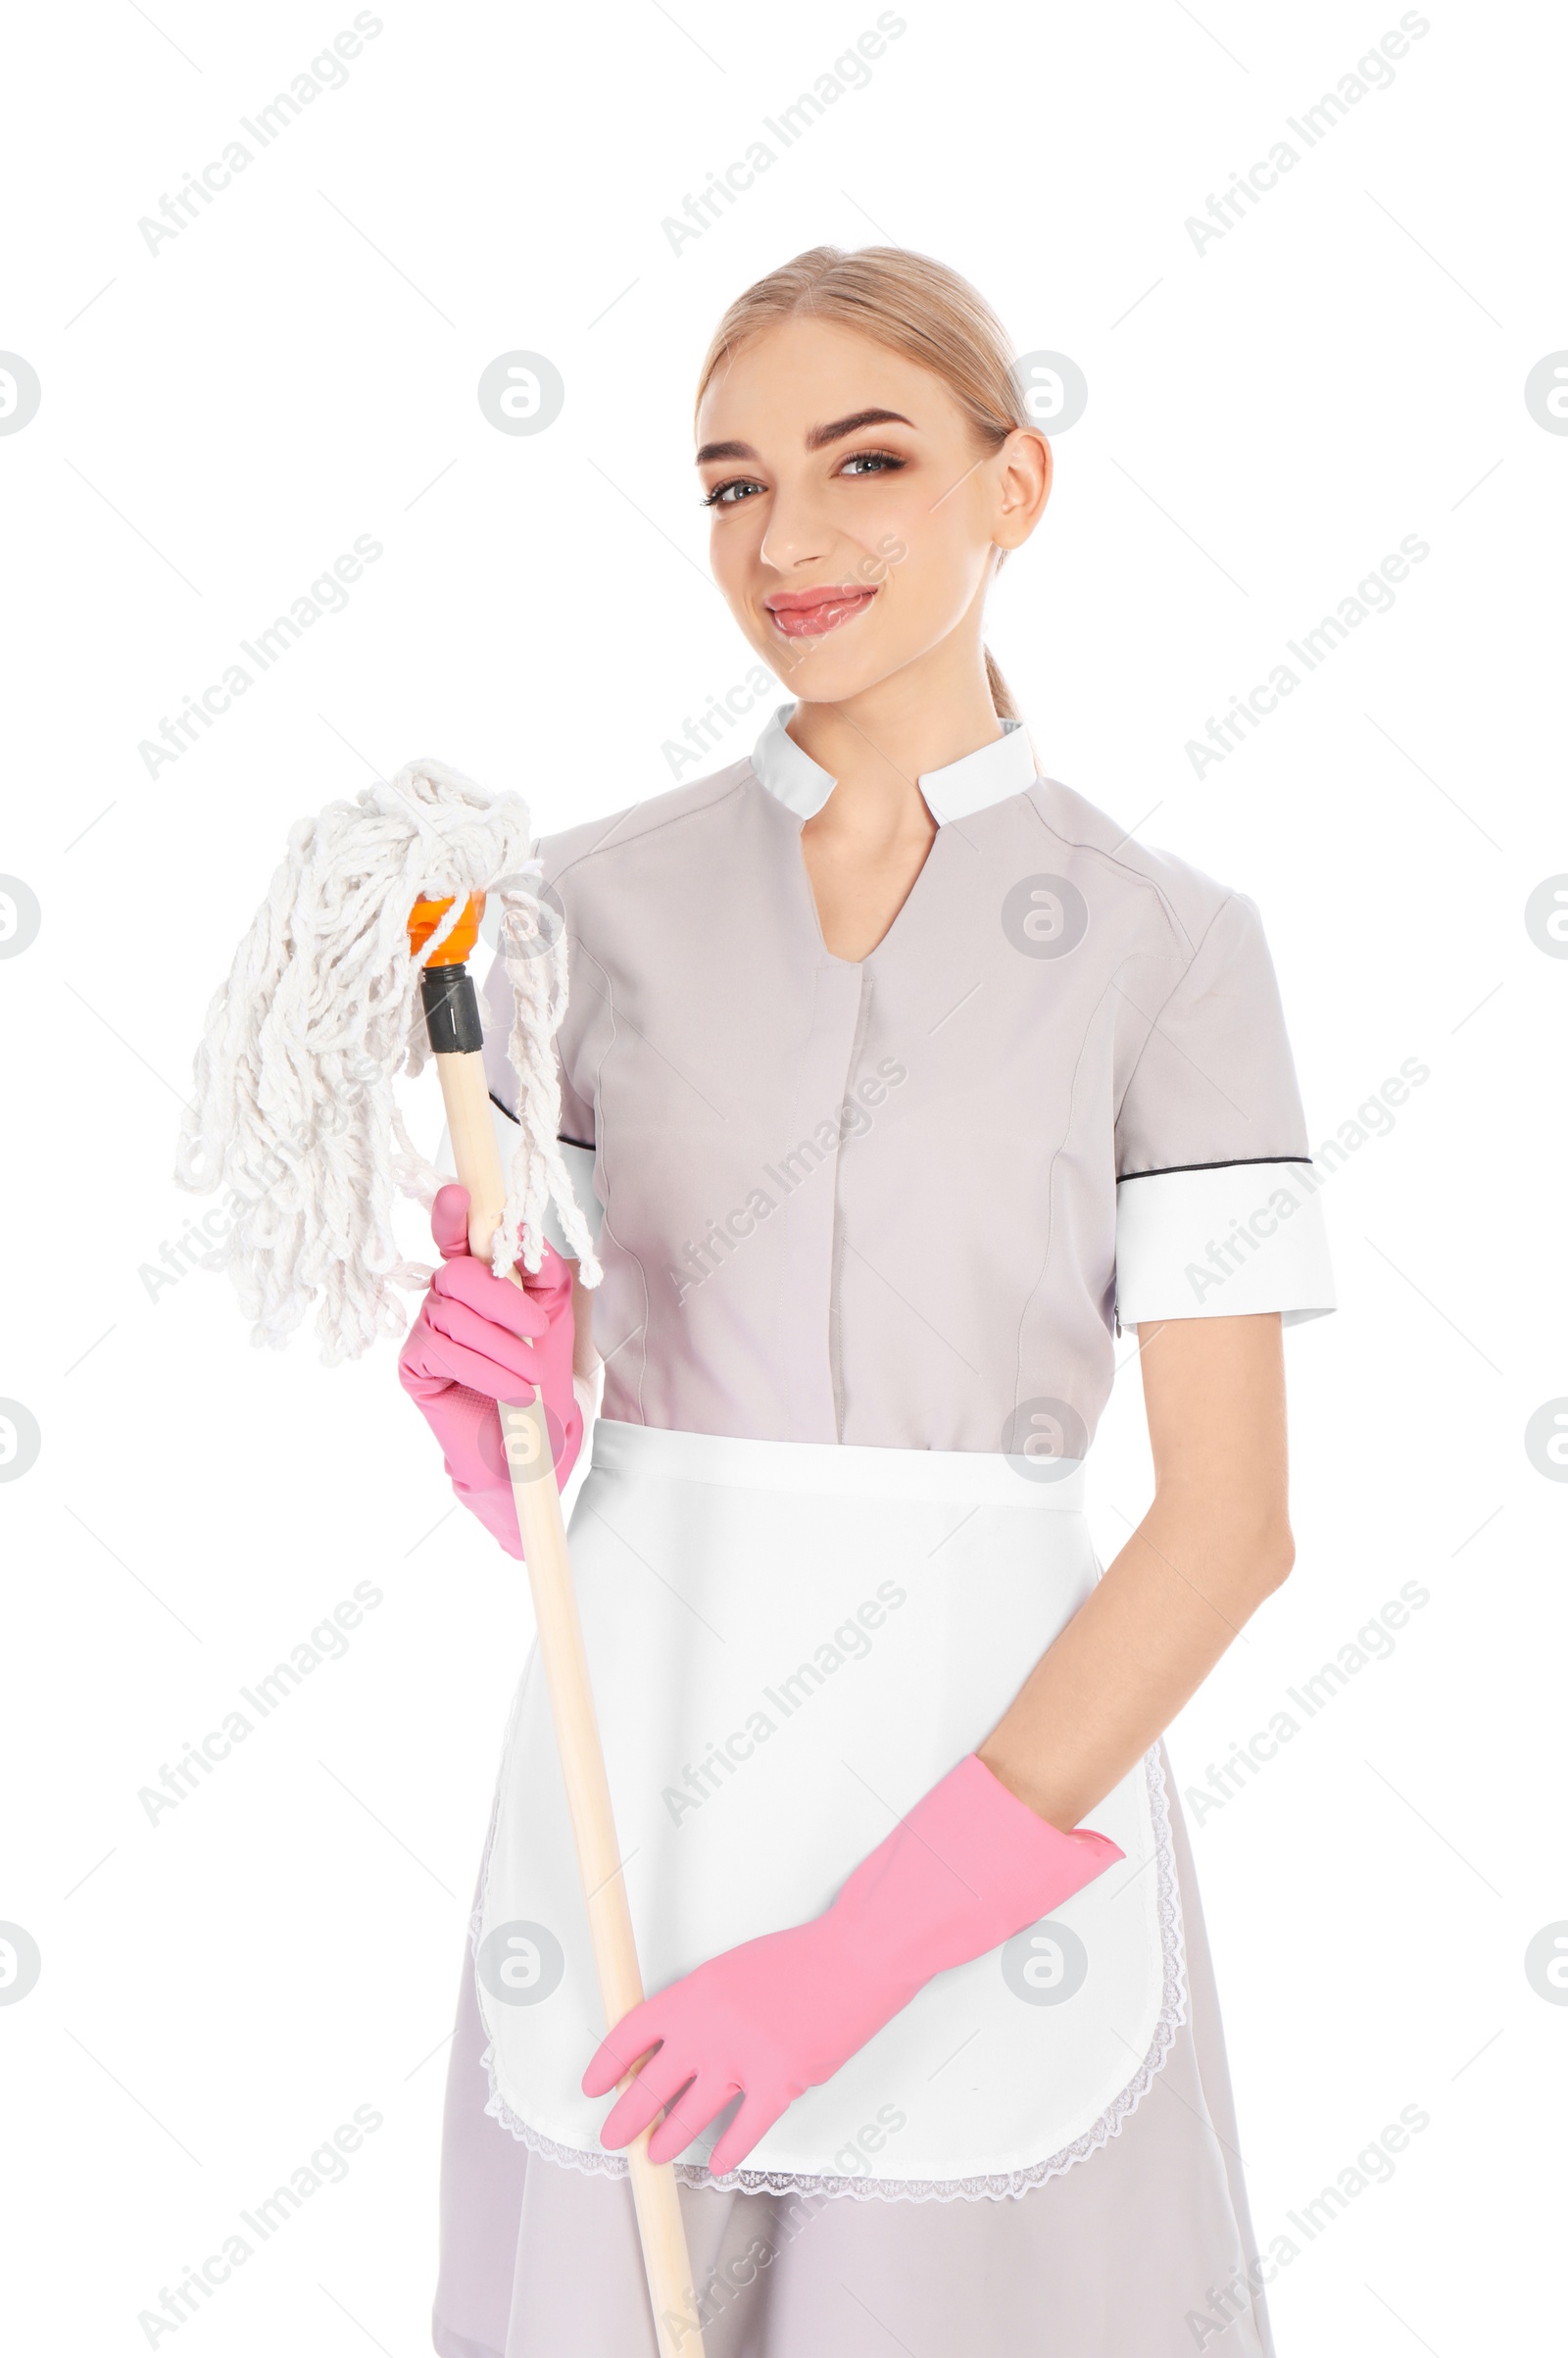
x: 455, y: 950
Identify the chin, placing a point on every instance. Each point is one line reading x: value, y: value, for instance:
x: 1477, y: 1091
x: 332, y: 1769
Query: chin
x: 825, y: 673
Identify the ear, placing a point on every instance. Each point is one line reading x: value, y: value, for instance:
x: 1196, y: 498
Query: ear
x: 1024, y: 470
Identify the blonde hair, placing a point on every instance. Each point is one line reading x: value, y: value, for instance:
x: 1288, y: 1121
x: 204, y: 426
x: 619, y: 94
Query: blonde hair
x: 914, y: 306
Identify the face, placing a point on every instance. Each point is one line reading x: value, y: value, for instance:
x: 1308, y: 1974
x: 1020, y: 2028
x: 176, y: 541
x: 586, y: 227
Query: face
x: 857, y: 515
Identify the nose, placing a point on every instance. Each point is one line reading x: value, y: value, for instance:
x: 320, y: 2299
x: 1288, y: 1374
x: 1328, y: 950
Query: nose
x: 797, y: 534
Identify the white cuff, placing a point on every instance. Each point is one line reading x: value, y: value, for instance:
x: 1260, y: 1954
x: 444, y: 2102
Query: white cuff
x: 579, y: 1162
x: 1224, y: 1241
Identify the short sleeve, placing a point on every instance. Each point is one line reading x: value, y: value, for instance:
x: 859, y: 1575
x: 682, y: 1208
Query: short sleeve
x: 576, y: 1133
x: 1217, y: 1211
x: 579, y: 1161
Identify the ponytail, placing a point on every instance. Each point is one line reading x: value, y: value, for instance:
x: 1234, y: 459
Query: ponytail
x: 1000, y: 692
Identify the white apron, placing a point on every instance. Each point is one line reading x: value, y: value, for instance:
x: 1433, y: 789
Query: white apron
x: 789, y: 1643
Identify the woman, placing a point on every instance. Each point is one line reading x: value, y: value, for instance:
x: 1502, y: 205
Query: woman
x: 896, y: 1076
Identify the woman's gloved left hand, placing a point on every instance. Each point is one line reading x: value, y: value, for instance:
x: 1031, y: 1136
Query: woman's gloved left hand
x: 969, y: 1867
x: 479, y: 1339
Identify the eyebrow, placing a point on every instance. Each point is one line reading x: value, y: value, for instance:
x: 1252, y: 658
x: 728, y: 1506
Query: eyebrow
x: 818, y: 437
x: 821, y: 435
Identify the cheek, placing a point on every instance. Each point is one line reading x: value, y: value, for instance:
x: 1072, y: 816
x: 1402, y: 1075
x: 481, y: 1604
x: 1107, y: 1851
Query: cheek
x: 932, y: 559
x: 888, y: 520
x: 733, y: 547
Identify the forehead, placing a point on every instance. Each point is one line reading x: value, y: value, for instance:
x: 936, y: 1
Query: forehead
x: 802, y: 373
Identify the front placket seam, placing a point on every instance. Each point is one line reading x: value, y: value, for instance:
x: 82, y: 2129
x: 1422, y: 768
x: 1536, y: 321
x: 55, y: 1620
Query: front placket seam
x: 835, y: 1280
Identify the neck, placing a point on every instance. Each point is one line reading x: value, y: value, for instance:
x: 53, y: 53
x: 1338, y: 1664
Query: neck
x: 877, y: 745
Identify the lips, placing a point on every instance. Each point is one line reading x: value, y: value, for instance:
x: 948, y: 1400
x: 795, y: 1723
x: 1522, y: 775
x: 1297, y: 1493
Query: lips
x: 812, y: 613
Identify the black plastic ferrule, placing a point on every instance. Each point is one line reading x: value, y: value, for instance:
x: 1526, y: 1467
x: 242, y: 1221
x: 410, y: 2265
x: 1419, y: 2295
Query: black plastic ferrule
x: 451, y: 1010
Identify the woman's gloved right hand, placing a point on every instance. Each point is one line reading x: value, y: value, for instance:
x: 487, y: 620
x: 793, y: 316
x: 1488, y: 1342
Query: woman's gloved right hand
x: 479, y: 1339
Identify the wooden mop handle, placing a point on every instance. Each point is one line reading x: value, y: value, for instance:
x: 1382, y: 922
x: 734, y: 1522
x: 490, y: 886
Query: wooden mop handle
x: 453, y: 1013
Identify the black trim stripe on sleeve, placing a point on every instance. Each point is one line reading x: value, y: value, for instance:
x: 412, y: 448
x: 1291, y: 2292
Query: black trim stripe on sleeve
x: 1235, y: 1162
x: 585, y: 1145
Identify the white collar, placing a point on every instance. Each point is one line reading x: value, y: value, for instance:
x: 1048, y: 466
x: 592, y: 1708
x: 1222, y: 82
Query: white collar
x: 1006, y: 766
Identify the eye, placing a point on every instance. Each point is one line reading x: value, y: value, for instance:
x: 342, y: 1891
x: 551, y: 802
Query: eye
x: 730, y: 495
x: 871, y: 461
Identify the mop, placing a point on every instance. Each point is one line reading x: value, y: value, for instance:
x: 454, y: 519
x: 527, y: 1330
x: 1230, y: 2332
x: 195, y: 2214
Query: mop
x: 354, y: 971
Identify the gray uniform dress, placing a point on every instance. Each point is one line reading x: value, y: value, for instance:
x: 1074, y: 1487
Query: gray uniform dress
x: 902, y: 1205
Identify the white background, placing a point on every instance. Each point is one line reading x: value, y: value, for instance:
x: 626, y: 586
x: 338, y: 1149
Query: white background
x: 1267, y: 419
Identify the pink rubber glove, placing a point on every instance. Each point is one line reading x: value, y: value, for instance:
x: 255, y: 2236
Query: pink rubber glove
x: 479, y: 1339
x: 969, y: 1867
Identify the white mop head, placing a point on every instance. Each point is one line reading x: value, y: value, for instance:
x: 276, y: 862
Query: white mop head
x: 295, y: 1109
